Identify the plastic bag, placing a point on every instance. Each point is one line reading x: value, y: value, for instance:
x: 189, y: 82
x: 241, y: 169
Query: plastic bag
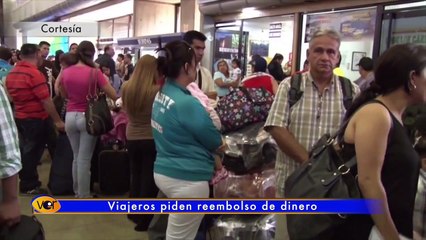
x: 257, y: 185
x: 247, y: 227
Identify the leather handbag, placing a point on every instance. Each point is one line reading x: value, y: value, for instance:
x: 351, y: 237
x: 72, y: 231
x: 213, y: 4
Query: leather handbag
x: 98, y: 116
x: 325, y: 175
x: 29, y: 228
x: 243, y: 106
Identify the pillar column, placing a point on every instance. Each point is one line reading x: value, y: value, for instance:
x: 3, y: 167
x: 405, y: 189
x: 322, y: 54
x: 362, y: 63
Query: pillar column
x: 190, y: 17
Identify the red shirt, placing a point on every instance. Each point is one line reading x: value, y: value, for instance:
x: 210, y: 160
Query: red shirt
x: 259, y: 80
x: 28, y: 88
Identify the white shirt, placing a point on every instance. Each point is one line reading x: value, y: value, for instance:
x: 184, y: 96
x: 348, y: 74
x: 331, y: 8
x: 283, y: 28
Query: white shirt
x: 236, y: 73
x: 207, y: 84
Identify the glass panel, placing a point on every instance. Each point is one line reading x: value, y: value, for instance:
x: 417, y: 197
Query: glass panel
x: 405, y: 26
x: 121, y: 27
x: 269, y: 36
x: 356, y: 28
x: 105, y: 29
x: 227, y: 40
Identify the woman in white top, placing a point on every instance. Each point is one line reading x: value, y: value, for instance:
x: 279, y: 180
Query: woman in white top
x: 222, y: 79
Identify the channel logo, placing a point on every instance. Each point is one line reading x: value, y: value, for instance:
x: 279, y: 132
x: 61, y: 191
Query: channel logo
x: 45, y: 204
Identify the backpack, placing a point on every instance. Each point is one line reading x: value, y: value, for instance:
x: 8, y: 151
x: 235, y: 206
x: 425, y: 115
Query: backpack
x: 294, y: 94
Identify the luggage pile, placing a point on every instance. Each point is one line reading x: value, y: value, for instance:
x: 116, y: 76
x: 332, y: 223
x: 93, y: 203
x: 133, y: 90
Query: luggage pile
x: 247, y: 227
x: 250, y: 161
x: 250, y: 150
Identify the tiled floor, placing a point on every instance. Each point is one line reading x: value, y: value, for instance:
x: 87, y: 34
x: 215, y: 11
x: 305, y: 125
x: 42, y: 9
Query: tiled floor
x: 84, y: 227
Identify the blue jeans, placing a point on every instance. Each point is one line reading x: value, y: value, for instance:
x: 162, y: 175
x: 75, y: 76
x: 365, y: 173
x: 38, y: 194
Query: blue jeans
x: 32, y: 139
x: 82, y: 145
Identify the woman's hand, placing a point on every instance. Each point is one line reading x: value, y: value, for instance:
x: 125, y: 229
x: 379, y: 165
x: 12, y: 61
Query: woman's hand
x: 222, y: 147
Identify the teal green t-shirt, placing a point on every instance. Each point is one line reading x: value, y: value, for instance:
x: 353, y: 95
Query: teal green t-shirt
x: 184, y: 135
x: 5, y: 68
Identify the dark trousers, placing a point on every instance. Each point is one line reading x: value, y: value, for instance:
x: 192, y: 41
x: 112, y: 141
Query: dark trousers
x: 142, y: 155
x: 51, y: 138
x: 32, y: 138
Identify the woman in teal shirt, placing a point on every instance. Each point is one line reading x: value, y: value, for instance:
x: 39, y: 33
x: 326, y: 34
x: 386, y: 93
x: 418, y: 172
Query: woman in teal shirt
x: 185, y: 138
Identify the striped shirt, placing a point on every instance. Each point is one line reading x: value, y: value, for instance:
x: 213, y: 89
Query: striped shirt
x: 310, y: 118
x: 28, y: 88
x: 10, y: 156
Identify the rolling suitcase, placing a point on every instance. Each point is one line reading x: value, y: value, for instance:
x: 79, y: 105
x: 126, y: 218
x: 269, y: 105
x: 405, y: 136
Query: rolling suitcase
x: 60, y: 178
x: 114, y: 171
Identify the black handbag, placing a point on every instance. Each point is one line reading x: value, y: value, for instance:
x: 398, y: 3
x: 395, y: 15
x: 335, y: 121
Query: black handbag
x: 29, y: 228
x: 98, y: 116
x: 324, y: 175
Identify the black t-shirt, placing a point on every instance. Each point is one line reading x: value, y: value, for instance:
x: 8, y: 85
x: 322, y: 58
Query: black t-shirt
x: 130, y: 69
x: 400, y: 172
x: 47, y: 69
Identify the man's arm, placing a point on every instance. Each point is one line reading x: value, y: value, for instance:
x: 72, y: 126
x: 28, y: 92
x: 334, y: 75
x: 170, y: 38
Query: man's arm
x: 51, y: 110
x: 276, y: 125
x: 10, y: 214
x: 288, y: 143
x: 10, y: 164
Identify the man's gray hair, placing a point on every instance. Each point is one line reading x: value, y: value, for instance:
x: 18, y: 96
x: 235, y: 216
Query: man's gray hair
x: 328, y: 33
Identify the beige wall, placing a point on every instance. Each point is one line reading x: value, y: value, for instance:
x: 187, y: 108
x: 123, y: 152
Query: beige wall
x: 153, y: 18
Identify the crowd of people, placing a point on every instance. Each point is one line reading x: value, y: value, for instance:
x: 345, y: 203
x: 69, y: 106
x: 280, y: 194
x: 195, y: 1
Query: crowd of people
x: 173, y: 134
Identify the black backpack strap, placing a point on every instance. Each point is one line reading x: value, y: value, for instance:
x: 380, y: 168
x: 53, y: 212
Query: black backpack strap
x: 294, y: 94
x: 347, y: 92
x: 200, y: 79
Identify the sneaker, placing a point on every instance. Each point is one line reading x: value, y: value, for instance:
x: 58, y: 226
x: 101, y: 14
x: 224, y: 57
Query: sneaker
x: 219, y: 176
x: 35, y: 191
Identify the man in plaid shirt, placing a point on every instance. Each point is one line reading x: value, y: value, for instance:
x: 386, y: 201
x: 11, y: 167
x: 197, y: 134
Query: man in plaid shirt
x: 320, y: 110
x: 10, y: 163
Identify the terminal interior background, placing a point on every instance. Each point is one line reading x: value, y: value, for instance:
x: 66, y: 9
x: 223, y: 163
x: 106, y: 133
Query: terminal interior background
x: 234, y: 28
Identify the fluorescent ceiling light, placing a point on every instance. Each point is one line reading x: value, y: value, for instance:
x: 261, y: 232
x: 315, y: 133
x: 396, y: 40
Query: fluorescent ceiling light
x: 248, y: 10
x: 229, y: 24
x: 406, y: 5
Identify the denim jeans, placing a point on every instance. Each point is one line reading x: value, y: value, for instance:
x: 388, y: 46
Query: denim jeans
x: 82, y: 145
x: 32, y: 138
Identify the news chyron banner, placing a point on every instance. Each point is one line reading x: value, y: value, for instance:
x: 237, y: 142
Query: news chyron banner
x: 48, y: 205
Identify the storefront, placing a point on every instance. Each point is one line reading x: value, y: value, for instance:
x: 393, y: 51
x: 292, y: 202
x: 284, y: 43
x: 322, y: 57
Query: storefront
x: 263, y: 36
x: 366, y: 28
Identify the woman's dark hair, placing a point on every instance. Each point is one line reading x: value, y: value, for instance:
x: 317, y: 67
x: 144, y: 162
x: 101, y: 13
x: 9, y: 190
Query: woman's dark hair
x: 237, y: 62
x: 173, y: 57
x: 391, y: 72
x: 5, y: 53
x: 68, y: 59
x: 72, y: 44
x: 258, y: 63
x: 86, y: 52
x: 277, y: 56
x: 58, y: 55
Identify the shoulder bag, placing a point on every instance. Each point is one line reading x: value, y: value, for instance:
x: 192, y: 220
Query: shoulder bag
x: 325, y: 175
x: 98, y: 115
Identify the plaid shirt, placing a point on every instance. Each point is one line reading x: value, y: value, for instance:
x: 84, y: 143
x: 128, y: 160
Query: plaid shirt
x: 310, y: 118
x: 10, y: 156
